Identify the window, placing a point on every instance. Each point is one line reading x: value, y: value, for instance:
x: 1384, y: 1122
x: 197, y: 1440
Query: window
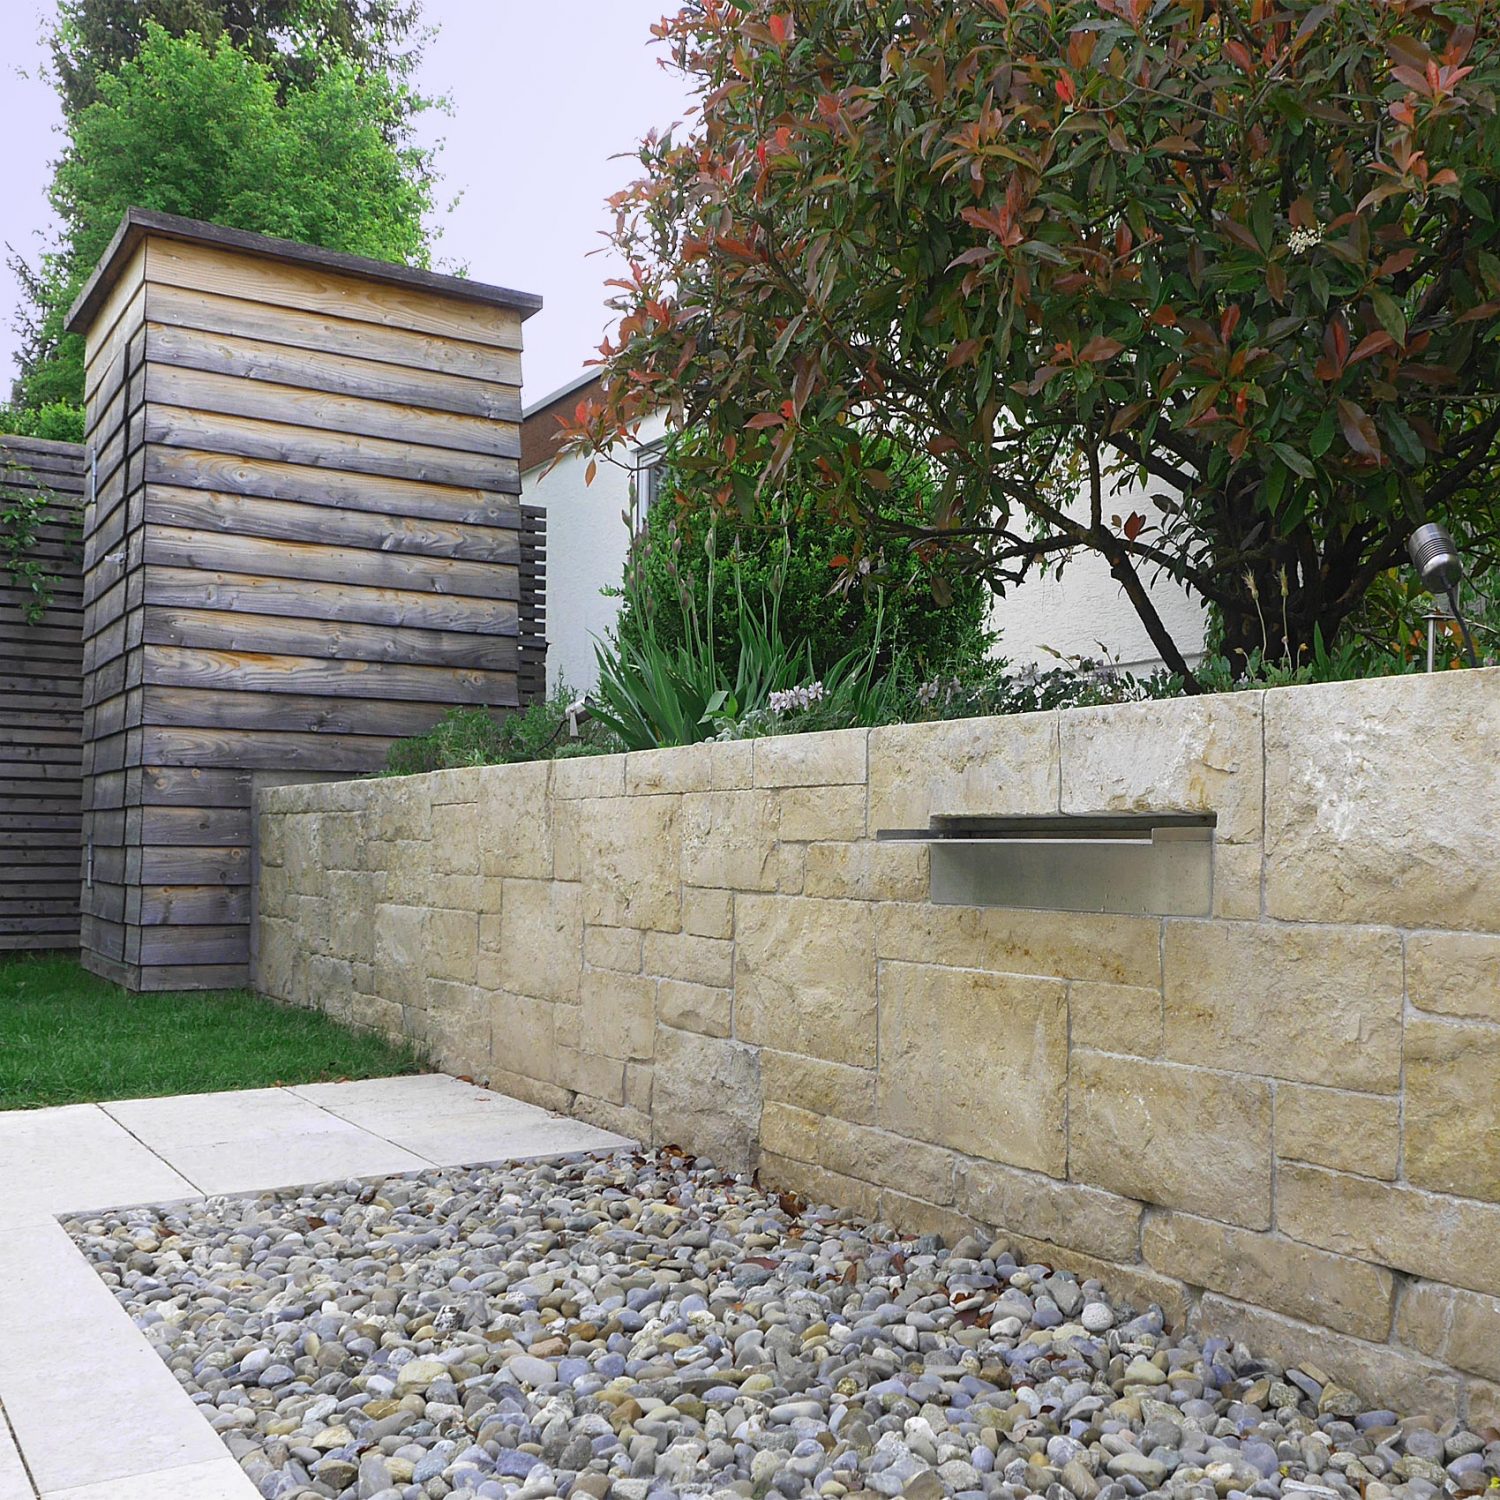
x: 650, y: 471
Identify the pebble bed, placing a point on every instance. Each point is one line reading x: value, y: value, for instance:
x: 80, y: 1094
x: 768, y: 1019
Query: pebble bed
x: 644, y: 1326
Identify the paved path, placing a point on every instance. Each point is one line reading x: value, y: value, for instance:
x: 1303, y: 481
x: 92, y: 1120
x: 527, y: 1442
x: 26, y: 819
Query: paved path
x: 87, y: 1409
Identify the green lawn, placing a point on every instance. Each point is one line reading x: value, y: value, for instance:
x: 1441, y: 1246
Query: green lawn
x: 68, y: 1037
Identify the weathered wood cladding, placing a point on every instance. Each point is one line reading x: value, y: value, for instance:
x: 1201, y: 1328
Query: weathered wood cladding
x: 41, y: 708
x: 307, y: 543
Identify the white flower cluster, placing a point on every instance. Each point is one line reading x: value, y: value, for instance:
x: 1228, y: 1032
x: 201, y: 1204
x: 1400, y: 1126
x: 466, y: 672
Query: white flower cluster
x: 929, y: 692
x: 796, y: 698
x: 1300, y: 241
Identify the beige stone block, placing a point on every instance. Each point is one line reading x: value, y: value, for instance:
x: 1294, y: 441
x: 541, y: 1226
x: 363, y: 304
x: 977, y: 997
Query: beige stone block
x: 530, y: 1090
x: 1481, y: 1405
x: 1237, y: 879
x: 731, y: 764
x: 1454, y: 1240
x: 791, y: 1132
x: 821, y: 812
x: 707, y: 913
x: 1474, y: 1335
x: 1424, y: 1315
x: 626, y: 852
x: 976, y: 1061
x: 270, y: 835
x: 678, y: 768
x: 638, y: 1081
x: 400, y: 952
x: 1348, y: 1132
x: 1195, y: 755
x: 1451, y: 1122
x: 624, y: 1119
x: 691, y: 1069
x: 730, y: 840
x: 402, y: 811
x: 454, y: 1029
x: 1329, y: 997
x: 592, y: 1073
x: 385, y: 1017
x: 541, y: 943
x: 589, y: 776
x: 1006, y: 765
x: 1272, y: 1271
x: 1380, y: 1373
x: 619, y: 1013
x: 825, y: 1088
x: 818, y: 1185
x: 1181, y: 1137
x: 278, y: 960
x: 408, y: 872
x: 567, y: 1025
x: 831, y: 758
x: 1061, y: 945
x: 1454, y: 973
x: 681, y: 955
x: 1115, y: 1018
x: 909, y: 1215
x: 342, y: 840
x: 455, y: 838
x: 302, y: 854
x: 1065, y: 1213
x: 867, y: 871
x: 328, y: 985
x: 695, y: 1007
x: 351, y: 915
x: 887, y: 1159
x: 805, y: 977
x: 452, y: 944
x: 490, y: 931
x: 617, y: 948
x: 1353, y: 832
x: 515, y: 837
x: 457, y: 892
x: 458, y: 785
x: 793, y: 869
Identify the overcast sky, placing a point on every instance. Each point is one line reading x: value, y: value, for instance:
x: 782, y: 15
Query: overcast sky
x: 543, y: 96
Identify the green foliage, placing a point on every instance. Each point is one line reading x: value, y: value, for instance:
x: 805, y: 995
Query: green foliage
x: 200, y: 128
x: 92, y: 39
x: 477, y: 737
x: 21, y: 515
x: 690, y: 532
x: 57, y: 421
x: 1236, y: 265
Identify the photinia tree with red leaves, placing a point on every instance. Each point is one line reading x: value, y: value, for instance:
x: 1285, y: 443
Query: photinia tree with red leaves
x: 1228, y: 268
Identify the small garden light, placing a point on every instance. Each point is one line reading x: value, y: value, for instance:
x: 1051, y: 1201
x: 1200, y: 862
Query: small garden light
x: 1437, y: 562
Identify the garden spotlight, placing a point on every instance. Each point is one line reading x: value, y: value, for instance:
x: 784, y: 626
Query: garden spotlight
x: 1437, y: 562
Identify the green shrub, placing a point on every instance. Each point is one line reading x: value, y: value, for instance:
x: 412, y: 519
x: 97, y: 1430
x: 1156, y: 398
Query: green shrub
x: 477, y: 737
x: 56, y: 421
x: 694, y: 547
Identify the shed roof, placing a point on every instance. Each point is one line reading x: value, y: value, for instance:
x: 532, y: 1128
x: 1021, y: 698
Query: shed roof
x: 139, y: 223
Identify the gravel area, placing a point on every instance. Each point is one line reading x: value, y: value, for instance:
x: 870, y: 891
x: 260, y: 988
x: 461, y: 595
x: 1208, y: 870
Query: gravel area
x: 643, y: 1326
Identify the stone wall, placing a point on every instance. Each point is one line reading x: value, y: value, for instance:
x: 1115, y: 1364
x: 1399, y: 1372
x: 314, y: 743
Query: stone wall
x: 1282, y: 1120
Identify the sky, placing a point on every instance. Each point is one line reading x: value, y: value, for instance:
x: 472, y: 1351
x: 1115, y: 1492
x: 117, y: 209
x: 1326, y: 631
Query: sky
x: 544, y: 95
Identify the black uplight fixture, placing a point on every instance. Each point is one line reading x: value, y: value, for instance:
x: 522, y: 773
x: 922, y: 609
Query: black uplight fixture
x: 1436, y: 559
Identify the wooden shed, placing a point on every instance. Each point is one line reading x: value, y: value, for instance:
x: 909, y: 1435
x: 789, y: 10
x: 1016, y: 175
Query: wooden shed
x: 304, y: 541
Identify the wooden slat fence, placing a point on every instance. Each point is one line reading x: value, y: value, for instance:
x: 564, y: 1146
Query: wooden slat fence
x: 41, y: 708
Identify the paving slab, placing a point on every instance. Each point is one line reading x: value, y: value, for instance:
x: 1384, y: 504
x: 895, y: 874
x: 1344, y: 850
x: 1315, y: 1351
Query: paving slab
x: 75, y: 1156
x: 14, y: 1485
x: 132, y: 1432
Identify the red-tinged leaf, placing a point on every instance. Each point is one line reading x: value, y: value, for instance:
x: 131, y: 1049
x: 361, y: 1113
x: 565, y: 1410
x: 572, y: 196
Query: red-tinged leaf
x: 1359, y: 431
x: 1239, y: 55
x: 1302, y: 213
x: 1135, y: 523
x: 1394, y: 264
x: 841, y: 561
x: 961, y: 353
x: 976, y: 256
x: 941, y: 443
x: 1099, y: 350
x: 764, y: 419
x: 1163, y: 317
x: 1067, y: 90
x: 1474, y: 314
x: 1229, y: 320
x: 591, y: 471
x: 781, y: 29
x: 1238, y: 443
x: 878, y: 479
x: 1371, y: 344
x: 1276, y: 281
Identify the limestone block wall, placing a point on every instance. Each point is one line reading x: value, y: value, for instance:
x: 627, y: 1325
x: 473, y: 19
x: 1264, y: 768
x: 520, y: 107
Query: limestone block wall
x: 1281, y: 1120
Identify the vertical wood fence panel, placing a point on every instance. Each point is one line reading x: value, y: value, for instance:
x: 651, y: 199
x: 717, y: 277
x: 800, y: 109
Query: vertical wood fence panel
x: 41, y: 710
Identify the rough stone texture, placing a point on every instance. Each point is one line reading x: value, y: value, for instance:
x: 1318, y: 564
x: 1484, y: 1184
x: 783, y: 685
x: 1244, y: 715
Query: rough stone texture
x: 805, y: 977
x: 1348, y: 1132
x: 1454, y: 973
x: 690, y: 1069
x: 1328, y: 1001
x: 1182, y: 1137
x: 659, y: 942
x: 1349, y: 1295
x: 1452, y: 1121
x: 1395, y: 816
x: 976, y: 1061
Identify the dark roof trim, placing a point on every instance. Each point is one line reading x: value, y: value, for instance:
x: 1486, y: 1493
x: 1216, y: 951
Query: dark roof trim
x: 138, y: 223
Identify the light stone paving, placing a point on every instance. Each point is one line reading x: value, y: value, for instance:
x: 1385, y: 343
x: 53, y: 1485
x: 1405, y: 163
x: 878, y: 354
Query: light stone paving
x: 133, y: 1432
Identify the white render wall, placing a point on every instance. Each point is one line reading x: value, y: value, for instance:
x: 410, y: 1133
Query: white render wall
x: 1082, y: 614
x: 587, y: 540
